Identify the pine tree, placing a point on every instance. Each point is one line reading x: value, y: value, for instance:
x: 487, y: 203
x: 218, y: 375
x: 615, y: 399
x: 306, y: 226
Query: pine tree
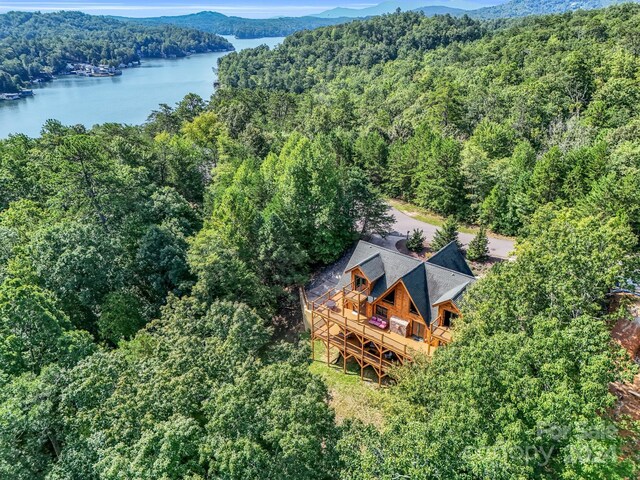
x: 415, y: 242
x: 447, y: 234
x: 479, y: 247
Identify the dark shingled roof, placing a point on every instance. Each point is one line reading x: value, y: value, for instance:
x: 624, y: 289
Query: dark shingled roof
x: 452, y: 295
x: 373, y: 267
x: 428, y: 282
x: 395, y: 265
x: 418, y: 288
x: 451, y: 257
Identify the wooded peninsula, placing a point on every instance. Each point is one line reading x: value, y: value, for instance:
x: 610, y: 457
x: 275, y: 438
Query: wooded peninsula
x: 37, y: 46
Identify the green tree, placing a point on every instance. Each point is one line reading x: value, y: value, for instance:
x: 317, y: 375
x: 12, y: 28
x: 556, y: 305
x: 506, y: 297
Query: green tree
x: 371, y: 152
x: 121, y: 316
x: 79, y: 264
x: 369, y: 210
x: 416, y: 240
x: 272, y: 423
x: 548, y: 177
x: 31, y: 328
x: 222, y: 274
x: 478, y: 249
x: 445, y: 235
x: 282, y: 261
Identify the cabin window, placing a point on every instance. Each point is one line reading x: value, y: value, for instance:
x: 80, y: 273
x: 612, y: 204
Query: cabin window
x: 382, y: 312
x: 390, y: 298
x: 412, y: 308
x: 449, y: 317
x: 360, y: 282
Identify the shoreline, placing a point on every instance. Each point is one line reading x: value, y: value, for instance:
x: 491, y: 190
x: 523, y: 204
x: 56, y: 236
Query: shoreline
x: 15, y: 96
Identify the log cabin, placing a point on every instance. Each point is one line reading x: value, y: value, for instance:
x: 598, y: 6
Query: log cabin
x: 387, y: 306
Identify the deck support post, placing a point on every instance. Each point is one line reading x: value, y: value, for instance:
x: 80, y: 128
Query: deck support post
x: 313, y: 332
x: 344, y: 351
x: 362, y: 356
x: 328, y: 351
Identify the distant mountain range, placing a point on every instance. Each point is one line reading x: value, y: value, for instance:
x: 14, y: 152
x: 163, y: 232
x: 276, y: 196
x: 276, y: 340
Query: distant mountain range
x: 214, y: 22
x: 435, y: 6
x: 523, y: 8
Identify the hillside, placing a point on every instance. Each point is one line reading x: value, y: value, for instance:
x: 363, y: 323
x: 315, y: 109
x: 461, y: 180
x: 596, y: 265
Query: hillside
x: 214, y: 22
x: 220, y: 24
x: 523, y: 8
x: 435, y: 6
x: 36, y: 46
x: 150, y: 275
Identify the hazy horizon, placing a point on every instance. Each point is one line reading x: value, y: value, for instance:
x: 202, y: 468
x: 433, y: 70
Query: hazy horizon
x: 249, y: 9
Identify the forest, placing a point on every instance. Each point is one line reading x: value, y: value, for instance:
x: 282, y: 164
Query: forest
x: 148, y: 273
x: 239, y: 27
x: 523, y: 8
x: 215, y: 22
x: 37, y: 46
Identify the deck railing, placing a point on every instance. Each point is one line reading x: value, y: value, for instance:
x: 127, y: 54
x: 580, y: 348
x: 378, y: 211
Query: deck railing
x: 368, y: 333
x: 437, y: 330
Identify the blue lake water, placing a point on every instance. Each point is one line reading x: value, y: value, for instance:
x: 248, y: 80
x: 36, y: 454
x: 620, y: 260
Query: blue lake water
x: 129, y: 98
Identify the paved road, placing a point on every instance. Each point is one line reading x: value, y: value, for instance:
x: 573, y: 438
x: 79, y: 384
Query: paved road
x: 498, y: 247
x: 328, y: 278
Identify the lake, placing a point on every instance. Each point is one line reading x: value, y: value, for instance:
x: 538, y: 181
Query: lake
x: 129, y: 98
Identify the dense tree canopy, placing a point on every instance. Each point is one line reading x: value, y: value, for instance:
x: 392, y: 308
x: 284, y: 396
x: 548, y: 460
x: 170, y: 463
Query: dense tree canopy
x: 144, y: 270
x: 36, y: 45
x: 487, y: 121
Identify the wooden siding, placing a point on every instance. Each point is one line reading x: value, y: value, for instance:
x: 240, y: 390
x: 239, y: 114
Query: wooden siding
x: 400, y: 308
x: 351, y: 334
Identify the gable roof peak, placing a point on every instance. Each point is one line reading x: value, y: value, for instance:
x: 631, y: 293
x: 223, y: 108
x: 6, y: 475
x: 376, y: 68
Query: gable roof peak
x: 451, y: 258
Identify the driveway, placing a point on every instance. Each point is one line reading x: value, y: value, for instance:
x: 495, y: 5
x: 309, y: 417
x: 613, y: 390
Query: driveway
x: 328, y: 278
x: 498, y: 247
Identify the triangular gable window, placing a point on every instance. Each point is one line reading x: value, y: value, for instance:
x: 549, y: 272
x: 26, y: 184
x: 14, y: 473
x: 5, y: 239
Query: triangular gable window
x: 390, y: 298
x: 412, y: 308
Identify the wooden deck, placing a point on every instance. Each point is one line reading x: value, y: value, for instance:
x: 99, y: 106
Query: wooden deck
x: 360, y: 324
x: 353, y: 335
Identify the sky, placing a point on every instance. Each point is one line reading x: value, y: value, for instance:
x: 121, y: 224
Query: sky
x: 152, y: 8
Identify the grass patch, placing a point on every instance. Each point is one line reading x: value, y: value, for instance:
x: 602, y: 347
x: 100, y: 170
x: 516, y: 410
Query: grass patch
x: 431, y: 218
x: 351, y: 398
x: 426, y: 216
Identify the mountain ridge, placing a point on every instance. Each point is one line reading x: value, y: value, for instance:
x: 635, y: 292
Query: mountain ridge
x: 391, y: 5
x: 218, y: 23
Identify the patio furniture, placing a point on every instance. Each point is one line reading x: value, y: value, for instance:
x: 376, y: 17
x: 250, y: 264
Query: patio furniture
x: 379, y: 322
x: 331, y: 305
x: 399, y: 326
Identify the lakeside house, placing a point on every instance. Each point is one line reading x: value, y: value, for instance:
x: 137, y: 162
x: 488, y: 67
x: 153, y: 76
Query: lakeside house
x: 387, y: 306
x: 88, y: 70
x: 16, y: 96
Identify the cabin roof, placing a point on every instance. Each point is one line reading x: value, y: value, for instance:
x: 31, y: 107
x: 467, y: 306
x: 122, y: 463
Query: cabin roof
x: 428, y: 283
x: 451, y: 258
x: 452, y: 295
x: 395, y: 265
x: 373, y: 267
